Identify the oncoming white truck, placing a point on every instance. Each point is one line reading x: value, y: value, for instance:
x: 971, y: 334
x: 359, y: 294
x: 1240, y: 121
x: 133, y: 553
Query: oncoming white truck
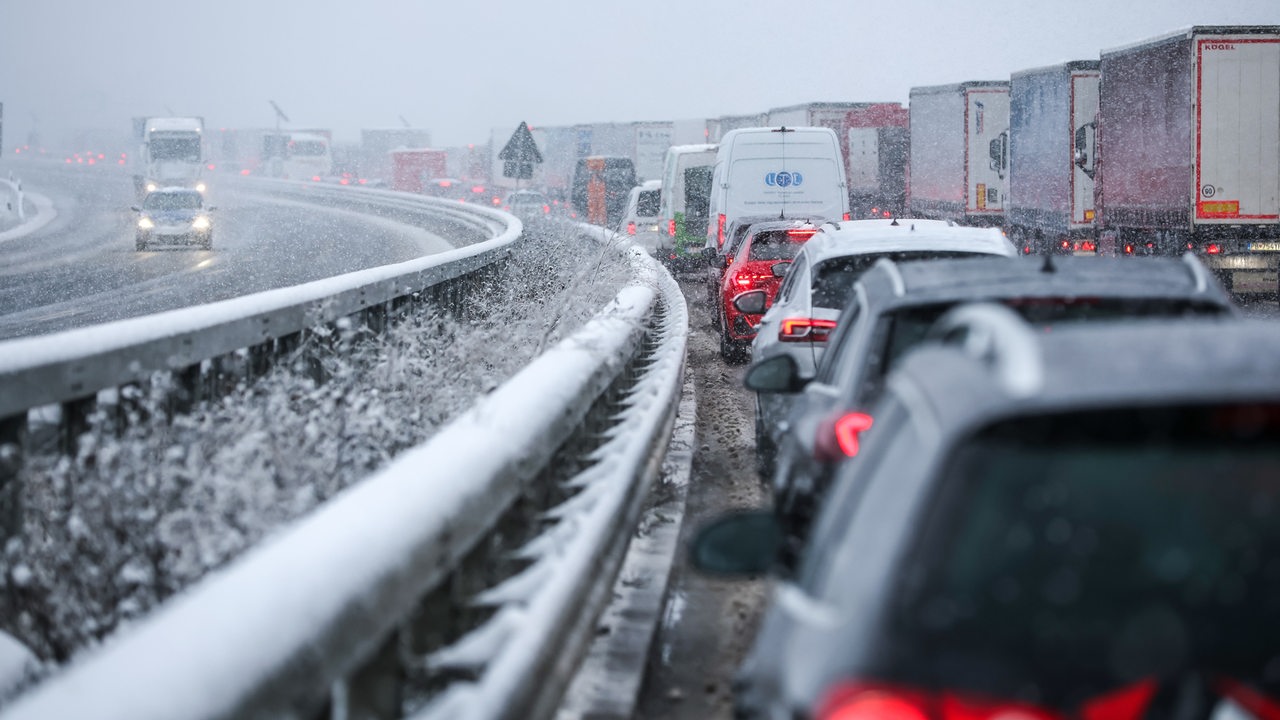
x: 170, y: 153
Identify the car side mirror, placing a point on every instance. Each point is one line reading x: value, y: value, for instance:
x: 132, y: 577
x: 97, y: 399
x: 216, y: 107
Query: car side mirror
x: 778, y: 374
x: 752, y: 302
x: 211, y: 208
x: 135, y: 208
x: 781, y: 269
x: 738, y: 544
x: 709, y: 254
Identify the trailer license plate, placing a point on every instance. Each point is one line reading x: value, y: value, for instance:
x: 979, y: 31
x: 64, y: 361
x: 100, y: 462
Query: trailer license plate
x: 1264, y: 247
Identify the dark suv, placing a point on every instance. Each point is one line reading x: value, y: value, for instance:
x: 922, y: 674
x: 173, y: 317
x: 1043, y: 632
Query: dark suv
x: 892, y: 307
x: 1083, y: 523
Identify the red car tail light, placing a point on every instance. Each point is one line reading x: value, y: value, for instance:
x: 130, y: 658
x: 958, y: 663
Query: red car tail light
x: 838, y: 436
x: 631, y: 228
x: 1213, y: 249
x: 882, y: 702
x: 746, y: 278
x: 805, y: 330
x: 856, y: 701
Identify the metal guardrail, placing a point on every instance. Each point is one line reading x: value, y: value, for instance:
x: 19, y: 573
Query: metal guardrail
x: 197, y: 345
x: 463, y: 581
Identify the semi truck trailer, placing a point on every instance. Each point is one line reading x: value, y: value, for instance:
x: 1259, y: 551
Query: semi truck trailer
x: 1188, y: 151
x: 959, y: 152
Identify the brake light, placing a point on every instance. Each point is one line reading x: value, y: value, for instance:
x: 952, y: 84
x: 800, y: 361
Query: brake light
x: 805, y: 329
x: 1026, y: 249
x: 748, y: 279
x: 859, y: 701
x: 1066, y: 245
x: 806, y: 234
x: 720, y: 229
x: 477, y: 189
x: 847, y: 216
x: 1089, y: 246
x: 1128, y: 249
x: 1213, y: 249
x: 838, y: 435
x: 631, y: 228
x: 882, y: 702
x: 671, y: 228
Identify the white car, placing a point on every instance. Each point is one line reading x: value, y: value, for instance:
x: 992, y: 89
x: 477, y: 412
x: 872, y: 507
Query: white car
x: 528, y: 205
x: 818, y: 284
x: 640, y: 222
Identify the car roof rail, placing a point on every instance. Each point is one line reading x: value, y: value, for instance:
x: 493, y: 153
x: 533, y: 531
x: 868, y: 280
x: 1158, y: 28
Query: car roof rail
x: 895, y: 276
x: 1199, y: 273
x: 1000, y: 339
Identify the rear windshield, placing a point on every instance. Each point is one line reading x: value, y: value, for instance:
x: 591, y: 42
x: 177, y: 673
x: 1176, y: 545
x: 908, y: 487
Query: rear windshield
x: 775, y: 245
x: 908, y: 327
x: 647, y: 203
x: 833, y: 279
x: 1101, y: 546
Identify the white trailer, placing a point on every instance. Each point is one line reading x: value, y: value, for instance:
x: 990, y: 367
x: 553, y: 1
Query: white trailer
x: 959, y: 152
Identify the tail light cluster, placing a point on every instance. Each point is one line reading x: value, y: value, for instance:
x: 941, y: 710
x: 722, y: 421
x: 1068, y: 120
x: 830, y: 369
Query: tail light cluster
x: 864, y: 701
x: 631, y: 228
x: 746, y: 278
x: 805, y: 330
x: 839, y: 436
x: 720, y: 223
x: 1078, y: 246
x: 671, y: 228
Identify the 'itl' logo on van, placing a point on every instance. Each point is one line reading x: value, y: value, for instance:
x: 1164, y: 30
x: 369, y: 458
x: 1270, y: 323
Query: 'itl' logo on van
x: 783, y: 179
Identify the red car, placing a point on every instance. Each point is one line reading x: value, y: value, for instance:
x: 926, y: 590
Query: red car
x: 759, y: 263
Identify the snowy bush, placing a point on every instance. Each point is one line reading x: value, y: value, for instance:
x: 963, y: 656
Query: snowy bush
x: 146, y: 507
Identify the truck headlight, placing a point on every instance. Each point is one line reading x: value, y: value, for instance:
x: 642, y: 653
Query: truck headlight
x: 144, y: 223
x: 201, y: 222
x: 151, y: 187
x: 200, y: 187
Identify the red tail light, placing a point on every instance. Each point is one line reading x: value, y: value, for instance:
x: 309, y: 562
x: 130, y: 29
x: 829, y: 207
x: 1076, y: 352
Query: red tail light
x: 720, y: 223
x: 671, y: 228
x: 847, y: 216
x: 1066, y: 245
x: 1128, y: 249
x: 1089, y: 246
x: 631, y: 228
x: 1026, y: 249
x: 477, y: 189
x: 864, y: 701
x: 805, y: 330
x: 838, y: 436
x: 315, y: 178
x: 1213, y: 249
x: 546, y: 209
x: 746, y: 278
x: 802, y: 234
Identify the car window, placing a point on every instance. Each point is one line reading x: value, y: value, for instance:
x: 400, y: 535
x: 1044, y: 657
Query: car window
x: 773, y: 245
x: 792, y: 280
x: 840, y: 346
x: 647, y: 203
x: 833, y: 278
x: 1147, y: 536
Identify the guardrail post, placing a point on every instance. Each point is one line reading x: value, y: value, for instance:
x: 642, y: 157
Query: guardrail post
x: 376, y: 690
x: 12, y: 430
x: 75, y: 422
x: 184, y: 392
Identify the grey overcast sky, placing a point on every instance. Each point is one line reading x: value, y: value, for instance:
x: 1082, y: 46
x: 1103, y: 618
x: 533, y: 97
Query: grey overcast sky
x: 460, y: 68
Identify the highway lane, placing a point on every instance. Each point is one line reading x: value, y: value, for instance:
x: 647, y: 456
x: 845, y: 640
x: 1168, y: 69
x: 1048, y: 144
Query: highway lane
x: 82, y: 268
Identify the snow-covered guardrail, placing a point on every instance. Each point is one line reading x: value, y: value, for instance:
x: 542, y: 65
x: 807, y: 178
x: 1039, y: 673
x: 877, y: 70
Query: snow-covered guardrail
x: 195, y: 346
x: 462, y: 581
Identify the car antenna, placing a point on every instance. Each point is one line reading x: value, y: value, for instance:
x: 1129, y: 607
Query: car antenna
x: 1048, y: 266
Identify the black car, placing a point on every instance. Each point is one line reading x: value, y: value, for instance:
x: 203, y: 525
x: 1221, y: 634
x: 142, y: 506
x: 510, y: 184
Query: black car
x: 892, y: 307
x: 1083, y: 523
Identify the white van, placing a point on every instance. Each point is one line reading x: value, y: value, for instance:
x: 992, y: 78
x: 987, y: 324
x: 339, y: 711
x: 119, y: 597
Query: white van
x: 791, y: 173
x: 682, y: 212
